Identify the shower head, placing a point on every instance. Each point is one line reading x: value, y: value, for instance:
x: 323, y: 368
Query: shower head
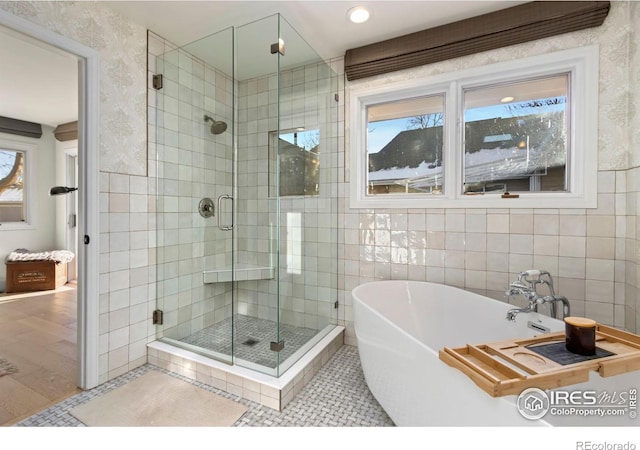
x: 217, y: 127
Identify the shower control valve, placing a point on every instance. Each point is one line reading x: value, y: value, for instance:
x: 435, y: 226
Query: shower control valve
x: 206, y: 207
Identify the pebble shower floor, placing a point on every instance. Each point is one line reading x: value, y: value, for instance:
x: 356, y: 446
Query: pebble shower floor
x: 337, y: 396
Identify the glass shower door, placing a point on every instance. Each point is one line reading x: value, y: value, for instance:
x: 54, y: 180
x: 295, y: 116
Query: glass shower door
x: 247, y: 159
x: 286, y: 197
x: 194, y: 106
x: 256, y: 237
x: 306, y: 186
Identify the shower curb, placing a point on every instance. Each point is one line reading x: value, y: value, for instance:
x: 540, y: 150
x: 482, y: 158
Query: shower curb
x: 267, y: 390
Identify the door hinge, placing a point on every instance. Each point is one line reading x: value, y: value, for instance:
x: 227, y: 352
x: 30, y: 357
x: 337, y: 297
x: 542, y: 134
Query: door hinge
x: 157, y: 81
x: 335, y: 305
x: 278, y: 47
x: 87, y: 239
x: 157, y: 317
x: 276, y: 346
x: 336, y: 97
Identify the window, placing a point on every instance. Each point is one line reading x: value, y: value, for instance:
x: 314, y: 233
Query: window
x: 404, y: 146
x: 465, y: 139
x: 515, y: 136
x: 296, y: 154
x: 16, y: 185
x: 12, y: 174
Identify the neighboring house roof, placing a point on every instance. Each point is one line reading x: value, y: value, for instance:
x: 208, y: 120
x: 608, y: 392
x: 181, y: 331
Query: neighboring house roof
x: 499, y: 151
x: 409, y: 148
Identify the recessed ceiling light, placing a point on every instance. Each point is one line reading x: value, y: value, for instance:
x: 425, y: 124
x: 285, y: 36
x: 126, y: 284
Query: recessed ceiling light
x: 506, y: 99
x: 358, y: 14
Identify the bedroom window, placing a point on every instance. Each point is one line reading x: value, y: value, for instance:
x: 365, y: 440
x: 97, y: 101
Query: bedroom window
x: 519, y: 134
x: 15, y: 184
x: 12, y: 178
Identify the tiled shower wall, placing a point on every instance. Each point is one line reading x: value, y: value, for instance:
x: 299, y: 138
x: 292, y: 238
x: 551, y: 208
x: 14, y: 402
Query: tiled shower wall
x: 191, y: 164
x: 308, y: 233
x: 592, y: 253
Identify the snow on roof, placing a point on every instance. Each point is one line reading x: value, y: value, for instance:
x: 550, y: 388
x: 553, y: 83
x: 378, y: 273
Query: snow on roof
x: 483, y: 165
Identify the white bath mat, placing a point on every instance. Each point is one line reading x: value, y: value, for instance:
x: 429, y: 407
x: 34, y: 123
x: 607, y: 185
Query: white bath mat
x: 159, y: 400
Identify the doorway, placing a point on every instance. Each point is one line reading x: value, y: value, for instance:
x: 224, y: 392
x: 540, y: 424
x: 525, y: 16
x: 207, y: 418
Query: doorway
x: 70, y: 214
x: 86, y: 203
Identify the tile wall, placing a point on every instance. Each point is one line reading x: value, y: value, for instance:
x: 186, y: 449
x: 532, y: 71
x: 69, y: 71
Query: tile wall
x: 308, y: 247
x: 274, y: 393
x: 188, y: 244
x: 632, y: 298
x: 591, y: 253
x: 191, y: 164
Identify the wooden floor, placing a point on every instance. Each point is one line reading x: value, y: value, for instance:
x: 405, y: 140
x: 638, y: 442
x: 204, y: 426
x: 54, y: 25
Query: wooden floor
x: 38, y: 335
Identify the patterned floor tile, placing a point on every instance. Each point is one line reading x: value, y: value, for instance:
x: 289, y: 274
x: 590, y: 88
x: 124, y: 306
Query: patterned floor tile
x: 336, y: 397
x: 252, y: 339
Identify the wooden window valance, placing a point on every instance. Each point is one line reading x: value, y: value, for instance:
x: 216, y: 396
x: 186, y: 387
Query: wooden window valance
x: 20, y: 127
x: 515, y: 25
x: 66, y: 131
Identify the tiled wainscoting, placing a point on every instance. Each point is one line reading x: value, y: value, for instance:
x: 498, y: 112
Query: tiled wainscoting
x: 266, y: 390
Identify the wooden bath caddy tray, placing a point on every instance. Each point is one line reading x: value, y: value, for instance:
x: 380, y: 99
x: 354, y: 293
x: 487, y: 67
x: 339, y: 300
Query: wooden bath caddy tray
x: 509, y: 367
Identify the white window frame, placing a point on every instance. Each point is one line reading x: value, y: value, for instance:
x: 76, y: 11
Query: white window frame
x: 30, y: 185
x: 582, y: 151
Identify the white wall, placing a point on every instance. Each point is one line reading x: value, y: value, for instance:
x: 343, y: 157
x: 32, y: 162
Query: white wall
x: 42, y: 236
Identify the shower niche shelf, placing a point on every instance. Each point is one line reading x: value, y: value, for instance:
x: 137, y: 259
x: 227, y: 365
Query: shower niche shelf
x: 243, y: 272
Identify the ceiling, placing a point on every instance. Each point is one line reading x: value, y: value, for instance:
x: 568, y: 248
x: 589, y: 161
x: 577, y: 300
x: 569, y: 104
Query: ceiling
x: 322, y: 24
x: 38, y: 83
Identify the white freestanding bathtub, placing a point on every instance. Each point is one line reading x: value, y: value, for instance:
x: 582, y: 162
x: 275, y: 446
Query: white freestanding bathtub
x: 401, y: 325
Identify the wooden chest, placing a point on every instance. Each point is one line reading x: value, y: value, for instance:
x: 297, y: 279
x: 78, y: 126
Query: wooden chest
x: 25, y: 276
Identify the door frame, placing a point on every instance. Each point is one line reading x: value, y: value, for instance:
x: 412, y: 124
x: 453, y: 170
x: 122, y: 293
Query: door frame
x: 88, y: 190
x: 71, y: 209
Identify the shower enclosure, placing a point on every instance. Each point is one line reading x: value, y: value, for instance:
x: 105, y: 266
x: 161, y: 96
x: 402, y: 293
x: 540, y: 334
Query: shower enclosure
x: 246, y: 148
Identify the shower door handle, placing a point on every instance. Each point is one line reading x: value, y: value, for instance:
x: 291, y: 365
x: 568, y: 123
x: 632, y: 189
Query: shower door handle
x: 220, y: 226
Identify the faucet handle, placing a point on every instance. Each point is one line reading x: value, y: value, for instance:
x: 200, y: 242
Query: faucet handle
x: 532, y: 273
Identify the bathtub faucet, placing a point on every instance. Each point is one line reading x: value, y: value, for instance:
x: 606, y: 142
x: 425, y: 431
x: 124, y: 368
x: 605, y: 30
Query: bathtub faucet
x: 512, y: 313
x: 527, y: 285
